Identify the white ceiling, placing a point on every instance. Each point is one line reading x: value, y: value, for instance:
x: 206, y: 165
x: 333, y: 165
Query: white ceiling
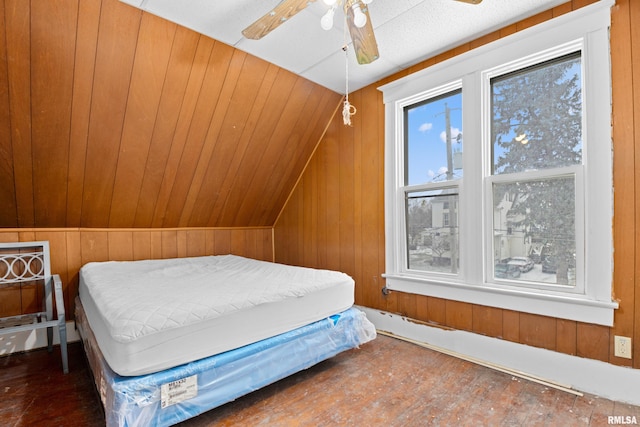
x: 407, y: 32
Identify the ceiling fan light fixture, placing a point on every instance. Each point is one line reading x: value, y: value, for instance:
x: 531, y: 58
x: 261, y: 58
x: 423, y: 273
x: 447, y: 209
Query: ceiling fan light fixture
x: 359, y: 18
x: 326, y: 22
x: 329, y: 2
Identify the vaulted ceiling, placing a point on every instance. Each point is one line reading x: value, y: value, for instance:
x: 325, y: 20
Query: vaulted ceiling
x: 115, y: 117
x: 112, y: 117
x: 407, y: 32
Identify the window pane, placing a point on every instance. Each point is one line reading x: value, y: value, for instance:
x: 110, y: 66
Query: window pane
x: 534, y: 231
x: 433, y: 130
x: 432, y: 231
x: 537, y: 117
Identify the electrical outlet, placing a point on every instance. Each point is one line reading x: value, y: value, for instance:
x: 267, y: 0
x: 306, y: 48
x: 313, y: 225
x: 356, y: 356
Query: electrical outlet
x: 622, y: 347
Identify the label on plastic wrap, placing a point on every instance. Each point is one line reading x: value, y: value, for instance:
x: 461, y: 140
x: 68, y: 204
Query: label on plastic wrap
x: 178, y: 391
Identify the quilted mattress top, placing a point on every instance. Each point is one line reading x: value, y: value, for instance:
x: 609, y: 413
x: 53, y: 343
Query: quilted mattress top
x: 139, y: 298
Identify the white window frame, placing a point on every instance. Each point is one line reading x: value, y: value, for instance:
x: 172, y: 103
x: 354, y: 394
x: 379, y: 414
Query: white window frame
x: 587, y: 30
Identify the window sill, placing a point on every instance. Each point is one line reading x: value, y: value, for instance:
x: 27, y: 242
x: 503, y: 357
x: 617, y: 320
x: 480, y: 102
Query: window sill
x: 571, y: 307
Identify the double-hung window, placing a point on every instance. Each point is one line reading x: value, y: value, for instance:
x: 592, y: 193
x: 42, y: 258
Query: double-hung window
x: 498, y: 177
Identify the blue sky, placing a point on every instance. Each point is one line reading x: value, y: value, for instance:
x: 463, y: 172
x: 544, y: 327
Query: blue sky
x: 426, y: 138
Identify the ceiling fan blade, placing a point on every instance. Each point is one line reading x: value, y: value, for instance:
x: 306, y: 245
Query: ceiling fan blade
x: 364, y: 40
x: 471, y: 1
x: 272, y: 20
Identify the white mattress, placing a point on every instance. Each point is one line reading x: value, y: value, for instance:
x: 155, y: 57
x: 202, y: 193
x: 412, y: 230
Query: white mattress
x: 155, y: 314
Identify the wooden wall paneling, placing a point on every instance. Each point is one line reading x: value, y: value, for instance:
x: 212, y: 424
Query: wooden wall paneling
x: 155, y: 238
x: 240, y: 244
x: 254, y: 245
x: 8, y: 213
x: 27, y: 235
x: 169, y: 244
x: 196, y: 242
x: 511, y: 325
x: 372, y: 188
x: 59, y: 263
x: 538, y: 331
x: 300, y: 236
x: 83, y: 71
x: 141, y: 244
x: 577, y: 4
x: 272, y: 148
x: 437, y: 310
x: 593, y: 341
x: 280, y: 90
x: 567, y: 336
x: 311, y: 122
x: 534, y: 20
x: 267, y: 245
x: 635, y: 37
x: 323, y: 242
x: 220, y: 61
x: 222, y: 242
x: 188, y: 111
x: 407, y: 305
x: 243, y: 155
x: 73, y: 251
x: 121, y: 245
x: 148, y: 76
x: 210, y: 242
x: 459, y: 315
x: 380, y: 225
x: 222, y: 135
x: 18, y: 48
x: 328, y: 201
x: 487, y: 321
x: 94, y: 246
x: 53, y: 36
x: 346, y: 202
x: 422, y: 308
x: 310, y: 220
x: 562, y: 9
x: 365, y: 280
x: 625, y: 177
x: 119, y: 26
x: 288, y: 236
x: 297, y: 142
x: 10, y: 301
x: 174, y: 90
x: 30, y: 298
x: 58, y: 250
x: 218, y: 165
x: 181, y: 243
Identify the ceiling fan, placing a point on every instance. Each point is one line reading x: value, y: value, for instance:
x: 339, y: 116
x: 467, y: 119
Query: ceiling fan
x: 358, y: 21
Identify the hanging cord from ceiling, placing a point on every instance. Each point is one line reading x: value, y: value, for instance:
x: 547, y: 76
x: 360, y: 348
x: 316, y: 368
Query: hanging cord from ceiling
x: 348, y: 110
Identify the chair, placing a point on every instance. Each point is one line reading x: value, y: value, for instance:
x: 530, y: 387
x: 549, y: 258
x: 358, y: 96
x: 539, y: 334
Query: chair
x: 29, y: 262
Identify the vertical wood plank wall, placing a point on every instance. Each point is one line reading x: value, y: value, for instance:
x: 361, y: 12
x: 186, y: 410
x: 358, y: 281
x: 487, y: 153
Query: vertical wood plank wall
x: 71, y: 248
x: 335, y: 216
x: 114, y: 117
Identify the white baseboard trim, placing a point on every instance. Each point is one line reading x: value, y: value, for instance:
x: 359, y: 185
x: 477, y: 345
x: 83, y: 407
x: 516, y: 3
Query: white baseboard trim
x: 586, y: 375
x: 31, y: 340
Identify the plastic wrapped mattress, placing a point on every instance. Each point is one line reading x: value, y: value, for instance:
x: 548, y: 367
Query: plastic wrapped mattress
x: 151, y: 315
x: 173, y: 395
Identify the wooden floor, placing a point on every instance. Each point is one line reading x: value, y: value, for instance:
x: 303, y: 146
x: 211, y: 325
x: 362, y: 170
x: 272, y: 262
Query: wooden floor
x: 386, y: 382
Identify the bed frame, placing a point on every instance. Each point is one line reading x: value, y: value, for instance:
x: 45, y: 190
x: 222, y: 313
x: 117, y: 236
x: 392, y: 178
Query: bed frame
x: 29, y: 262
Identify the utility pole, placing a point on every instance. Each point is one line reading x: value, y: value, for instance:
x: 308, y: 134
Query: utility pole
x: 453, y: 205
x: 447, y: 121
